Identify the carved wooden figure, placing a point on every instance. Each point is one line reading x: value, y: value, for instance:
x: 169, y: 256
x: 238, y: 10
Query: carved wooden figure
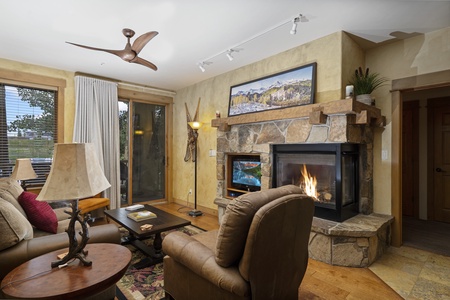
x: 190, y: 147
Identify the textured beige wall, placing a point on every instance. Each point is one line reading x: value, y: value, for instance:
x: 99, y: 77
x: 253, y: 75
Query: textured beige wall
x: 352, y: 58
x: 69, y: 95
x: 415, y: 56
x: 214, y: 94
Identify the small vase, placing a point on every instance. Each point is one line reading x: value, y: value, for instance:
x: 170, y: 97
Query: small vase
x: 365, y: 98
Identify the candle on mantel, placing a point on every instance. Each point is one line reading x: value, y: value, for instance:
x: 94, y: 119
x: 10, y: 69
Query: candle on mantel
x: 349, y: 92
x: 217, y: 114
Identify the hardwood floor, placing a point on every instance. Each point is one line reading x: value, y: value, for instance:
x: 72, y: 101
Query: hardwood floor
x: 206, y: 221
x: 321, y: 281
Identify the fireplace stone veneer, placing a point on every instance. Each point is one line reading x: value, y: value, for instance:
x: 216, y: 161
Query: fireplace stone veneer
x: 356, y: 242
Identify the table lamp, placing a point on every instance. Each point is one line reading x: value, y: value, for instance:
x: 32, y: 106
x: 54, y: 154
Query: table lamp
x: 195, y: 126
x: 75, y: 174
x: 23, y: 170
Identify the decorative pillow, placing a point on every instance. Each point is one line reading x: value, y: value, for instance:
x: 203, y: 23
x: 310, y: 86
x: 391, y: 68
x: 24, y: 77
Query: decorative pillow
x: 7, y: 183
x: 10, y: 190
x: 39, y: 213
x: 13, y: 226
x: 237, y: 219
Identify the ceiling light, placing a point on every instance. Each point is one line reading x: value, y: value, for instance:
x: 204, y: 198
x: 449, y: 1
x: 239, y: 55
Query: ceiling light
x: 230, y: 52
x: 203, y: 64
x: 230, y: 57
x: 294, y: 25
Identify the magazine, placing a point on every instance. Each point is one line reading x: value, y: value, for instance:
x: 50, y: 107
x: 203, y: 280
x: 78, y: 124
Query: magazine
x: 141, y: 215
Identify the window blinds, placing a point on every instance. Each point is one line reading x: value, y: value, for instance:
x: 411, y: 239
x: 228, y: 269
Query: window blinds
x: 27, y: 128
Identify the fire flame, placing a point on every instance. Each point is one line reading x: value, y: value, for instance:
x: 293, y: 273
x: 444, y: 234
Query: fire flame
x: 309, y: 183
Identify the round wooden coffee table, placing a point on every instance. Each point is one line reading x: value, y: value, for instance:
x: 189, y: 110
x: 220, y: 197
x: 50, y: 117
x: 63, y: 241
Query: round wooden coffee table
x: 35, y: 279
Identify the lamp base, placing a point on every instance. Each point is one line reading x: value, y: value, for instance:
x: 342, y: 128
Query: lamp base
x: 195, y: 213
x: 76, y: 250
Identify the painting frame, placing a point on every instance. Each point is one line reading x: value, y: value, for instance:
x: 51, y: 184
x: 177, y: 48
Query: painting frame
x: 276, y: 91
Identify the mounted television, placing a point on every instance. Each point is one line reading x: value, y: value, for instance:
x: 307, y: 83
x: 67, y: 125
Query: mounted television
x: 246, y: 173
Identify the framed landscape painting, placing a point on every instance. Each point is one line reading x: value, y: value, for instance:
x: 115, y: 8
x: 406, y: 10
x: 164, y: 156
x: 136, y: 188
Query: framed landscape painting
x: 289, y: 88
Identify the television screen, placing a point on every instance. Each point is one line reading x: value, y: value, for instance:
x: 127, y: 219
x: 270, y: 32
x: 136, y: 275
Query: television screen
x: 247, y: 173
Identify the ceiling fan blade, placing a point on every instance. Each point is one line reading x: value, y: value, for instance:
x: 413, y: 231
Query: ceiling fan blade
x: 141, y: 61
x: 115, y: 52
x: 141, y: 41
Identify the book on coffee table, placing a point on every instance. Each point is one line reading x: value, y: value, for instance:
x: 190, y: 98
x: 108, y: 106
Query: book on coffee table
x: 141, y: 215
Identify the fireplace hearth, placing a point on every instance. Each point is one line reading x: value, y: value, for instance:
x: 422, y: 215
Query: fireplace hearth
x: 328, y: 172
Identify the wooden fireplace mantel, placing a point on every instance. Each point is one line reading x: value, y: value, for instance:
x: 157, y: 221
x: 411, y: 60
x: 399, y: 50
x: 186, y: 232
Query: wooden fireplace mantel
x: 364, y: 114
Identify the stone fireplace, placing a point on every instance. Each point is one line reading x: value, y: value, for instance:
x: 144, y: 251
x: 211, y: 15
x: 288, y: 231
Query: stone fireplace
x: 357, y: 241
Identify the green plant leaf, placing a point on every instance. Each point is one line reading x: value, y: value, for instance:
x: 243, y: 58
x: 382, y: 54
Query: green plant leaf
x: 366, y: 82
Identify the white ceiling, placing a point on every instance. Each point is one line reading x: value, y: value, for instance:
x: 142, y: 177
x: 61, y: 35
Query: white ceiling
x: 191, y: 31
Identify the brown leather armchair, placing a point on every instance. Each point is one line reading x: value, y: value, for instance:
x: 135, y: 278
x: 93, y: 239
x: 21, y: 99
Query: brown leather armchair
x: 259, y: 252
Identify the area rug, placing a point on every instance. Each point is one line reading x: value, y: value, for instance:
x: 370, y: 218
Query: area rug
x: 146, y: 283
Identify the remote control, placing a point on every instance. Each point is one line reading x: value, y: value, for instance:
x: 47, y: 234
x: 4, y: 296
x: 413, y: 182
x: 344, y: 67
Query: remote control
x: 135, y: 207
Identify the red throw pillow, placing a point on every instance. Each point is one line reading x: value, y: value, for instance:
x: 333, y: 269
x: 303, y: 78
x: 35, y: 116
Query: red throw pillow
x: 39, y: 213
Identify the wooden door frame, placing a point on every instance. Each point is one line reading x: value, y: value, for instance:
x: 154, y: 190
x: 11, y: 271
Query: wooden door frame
x: 166, y: 101
x: 413, y: 83
x: 432, y: 104
x: 413, y: 106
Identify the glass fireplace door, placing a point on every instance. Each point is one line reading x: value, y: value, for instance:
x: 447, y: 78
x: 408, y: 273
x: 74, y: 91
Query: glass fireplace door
x: 314, y: 173
x: 327, y: 172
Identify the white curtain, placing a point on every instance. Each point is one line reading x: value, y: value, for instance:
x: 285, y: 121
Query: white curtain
x: 97, y: 122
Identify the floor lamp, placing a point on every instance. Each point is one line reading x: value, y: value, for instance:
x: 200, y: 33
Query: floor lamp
x: 195, y: 126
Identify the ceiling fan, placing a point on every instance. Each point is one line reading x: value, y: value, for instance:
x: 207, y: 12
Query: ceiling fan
x: 130, y: 53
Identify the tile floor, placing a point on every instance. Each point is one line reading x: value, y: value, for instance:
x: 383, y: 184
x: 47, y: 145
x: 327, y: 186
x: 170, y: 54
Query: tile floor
x: 415, y: 274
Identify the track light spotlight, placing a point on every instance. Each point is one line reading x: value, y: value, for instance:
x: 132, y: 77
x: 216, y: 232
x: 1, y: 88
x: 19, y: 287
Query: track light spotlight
x: 294, y: 25
x: 230, y: 57
x: 203, y: 64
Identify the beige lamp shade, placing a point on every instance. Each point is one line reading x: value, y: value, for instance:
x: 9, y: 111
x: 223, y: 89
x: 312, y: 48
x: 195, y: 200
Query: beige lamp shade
x: 23, y: 170
x: 75, y: 173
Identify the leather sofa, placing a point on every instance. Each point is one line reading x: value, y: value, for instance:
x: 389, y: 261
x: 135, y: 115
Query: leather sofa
x: 21, y: 242
x: 259, y: 252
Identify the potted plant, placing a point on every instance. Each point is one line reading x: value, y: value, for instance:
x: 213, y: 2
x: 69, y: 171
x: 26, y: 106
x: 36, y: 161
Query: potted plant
x: 364, y: 83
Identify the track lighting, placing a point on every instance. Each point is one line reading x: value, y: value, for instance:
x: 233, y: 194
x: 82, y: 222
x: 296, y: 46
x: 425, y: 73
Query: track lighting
x: 229, y: 51
x: 203, y: 64
x: 230, y: 57
x: 294, y: 25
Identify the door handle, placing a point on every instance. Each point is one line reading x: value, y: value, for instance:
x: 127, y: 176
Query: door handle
x: 439, y: 170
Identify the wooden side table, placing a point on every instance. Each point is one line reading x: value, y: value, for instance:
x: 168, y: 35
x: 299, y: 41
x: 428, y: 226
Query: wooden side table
x: 35, y: 279
x: 89, y: 204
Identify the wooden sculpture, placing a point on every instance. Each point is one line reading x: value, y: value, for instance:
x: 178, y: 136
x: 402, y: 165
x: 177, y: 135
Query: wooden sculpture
x: 190, y: 147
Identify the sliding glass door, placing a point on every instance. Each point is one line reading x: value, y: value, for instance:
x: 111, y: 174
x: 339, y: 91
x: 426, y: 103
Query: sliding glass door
x: 143, y: 151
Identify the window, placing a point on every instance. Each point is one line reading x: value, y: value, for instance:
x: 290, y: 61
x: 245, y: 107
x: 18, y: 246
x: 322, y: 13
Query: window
x: 27, y: 127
